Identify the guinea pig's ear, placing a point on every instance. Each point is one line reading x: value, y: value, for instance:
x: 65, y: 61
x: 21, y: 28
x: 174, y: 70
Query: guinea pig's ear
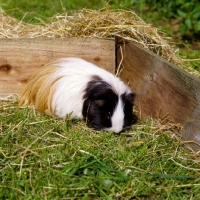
x: 99, y: 102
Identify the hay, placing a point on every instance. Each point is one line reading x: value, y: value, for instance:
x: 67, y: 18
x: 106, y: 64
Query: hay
x: 103, y: 23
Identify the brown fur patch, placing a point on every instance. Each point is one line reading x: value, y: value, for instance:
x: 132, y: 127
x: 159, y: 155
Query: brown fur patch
x: 37, y: 92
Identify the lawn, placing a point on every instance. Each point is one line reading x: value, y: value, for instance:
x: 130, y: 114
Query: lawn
x: 49, y: 158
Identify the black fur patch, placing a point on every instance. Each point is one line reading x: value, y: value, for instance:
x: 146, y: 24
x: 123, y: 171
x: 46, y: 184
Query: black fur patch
x: 99, y: 104
x: 129, y: 117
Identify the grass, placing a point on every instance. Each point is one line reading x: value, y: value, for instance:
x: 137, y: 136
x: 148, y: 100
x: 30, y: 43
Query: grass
x: 45, y: 9
x: 49, y: 158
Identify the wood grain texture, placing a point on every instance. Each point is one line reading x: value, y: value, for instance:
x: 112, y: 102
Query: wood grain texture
x: 20, y: 58
x: 163, y: 90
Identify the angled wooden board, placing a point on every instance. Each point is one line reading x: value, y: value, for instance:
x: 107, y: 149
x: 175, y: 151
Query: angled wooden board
x: 20, y: 58
x: 163, y: 90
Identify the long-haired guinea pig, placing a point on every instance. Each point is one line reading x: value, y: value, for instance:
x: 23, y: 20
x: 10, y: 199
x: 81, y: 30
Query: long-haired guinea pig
x: 77, y: 87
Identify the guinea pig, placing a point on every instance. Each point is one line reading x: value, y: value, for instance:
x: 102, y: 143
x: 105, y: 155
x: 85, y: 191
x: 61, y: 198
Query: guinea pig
x: 83, y: 90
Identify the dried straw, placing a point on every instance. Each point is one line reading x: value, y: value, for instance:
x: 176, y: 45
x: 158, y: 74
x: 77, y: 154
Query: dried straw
x: 103, y: 23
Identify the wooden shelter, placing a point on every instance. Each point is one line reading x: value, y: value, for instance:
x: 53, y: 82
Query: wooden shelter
x: 163, y: 90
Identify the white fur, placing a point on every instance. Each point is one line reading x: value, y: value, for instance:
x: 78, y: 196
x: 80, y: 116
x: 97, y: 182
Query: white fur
x: 75, y: 74
x: 117, y: 118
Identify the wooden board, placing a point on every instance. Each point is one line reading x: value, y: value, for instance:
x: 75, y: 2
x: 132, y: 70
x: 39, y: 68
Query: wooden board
x: 163, y: 90
x: 20, y: 58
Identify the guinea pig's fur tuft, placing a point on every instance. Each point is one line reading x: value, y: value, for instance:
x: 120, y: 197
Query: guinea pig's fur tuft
x: 77, y: 87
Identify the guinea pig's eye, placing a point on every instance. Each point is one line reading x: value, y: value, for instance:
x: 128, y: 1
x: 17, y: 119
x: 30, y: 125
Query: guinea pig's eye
x: 99, y: 102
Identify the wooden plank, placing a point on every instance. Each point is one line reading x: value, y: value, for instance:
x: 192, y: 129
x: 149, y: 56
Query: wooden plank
x: 20, y: 58
x: 163, y: 90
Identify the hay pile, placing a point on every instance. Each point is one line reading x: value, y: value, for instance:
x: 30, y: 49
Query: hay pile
x: 102, y: 23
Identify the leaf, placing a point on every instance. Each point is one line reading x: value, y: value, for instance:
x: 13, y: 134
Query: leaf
x: 196, y: 15
x: 197, y: 26
x: 183, y: 29
x: 196, y: 8
x: 188, y: 23
x: 179, y: 2
x: 182, y: 13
